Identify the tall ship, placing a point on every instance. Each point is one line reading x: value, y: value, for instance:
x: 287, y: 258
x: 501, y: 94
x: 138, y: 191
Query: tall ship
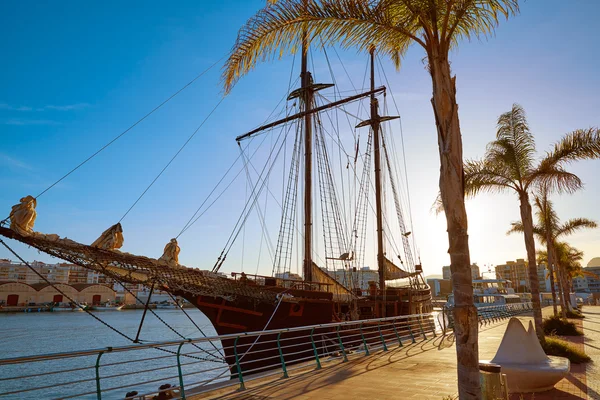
x: 330, y: 288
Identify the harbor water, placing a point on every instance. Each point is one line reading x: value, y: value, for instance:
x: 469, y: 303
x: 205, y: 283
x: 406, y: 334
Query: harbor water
x: 27, y: 334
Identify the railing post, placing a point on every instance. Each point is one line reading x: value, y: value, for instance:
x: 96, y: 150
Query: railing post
x: 181, y: 388
x: 237, y: 363
x: 421, y: 326
x: 98, y: 388
x: 411, y: 332
x: 312, y: 340
x: 381, y: 336
x: 341, y: 344
x: 432, y: 323
x: 363, y: 340
x: 285, y: 374
x: 397, y: 336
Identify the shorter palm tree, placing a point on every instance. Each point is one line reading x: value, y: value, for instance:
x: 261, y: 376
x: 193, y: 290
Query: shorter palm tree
x: 510, y: 164
x: 548, y: 231
x: 569, y: 259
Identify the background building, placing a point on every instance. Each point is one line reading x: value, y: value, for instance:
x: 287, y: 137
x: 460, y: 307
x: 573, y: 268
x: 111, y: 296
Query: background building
x: 360, y: 278
x: 440, y: 287
x: 518, y: 273
x: 590, y: 282
x: 29, y: 287
x: 475, y: 273
x: 23, y: 294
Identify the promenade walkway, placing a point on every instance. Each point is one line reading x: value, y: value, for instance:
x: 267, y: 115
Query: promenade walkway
x: 424, y: 370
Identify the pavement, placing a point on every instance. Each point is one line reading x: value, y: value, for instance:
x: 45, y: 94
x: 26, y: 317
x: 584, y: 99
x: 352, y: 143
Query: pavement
x: 424, y: 370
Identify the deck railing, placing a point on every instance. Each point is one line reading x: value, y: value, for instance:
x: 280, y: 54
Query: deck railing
x: 195, y: 365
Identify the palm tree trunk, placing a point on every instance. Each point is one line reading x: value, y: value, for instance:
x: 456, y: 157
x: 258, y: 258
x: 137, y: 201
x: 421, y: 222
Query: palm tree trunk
x: 527, y: 220
x: 563, y: 304
x: 452, y: 192
x: 551, y: 272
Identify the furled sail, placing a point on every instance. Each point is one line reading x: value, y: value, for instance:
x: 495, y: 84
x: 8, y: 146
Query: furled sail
x: 392, y: 271
x: 340, y: 292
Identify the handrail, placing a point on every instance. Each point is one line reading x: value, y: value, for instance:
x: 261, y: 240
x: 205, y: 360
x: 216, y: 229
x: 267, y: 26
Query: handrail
x: 295, y: 349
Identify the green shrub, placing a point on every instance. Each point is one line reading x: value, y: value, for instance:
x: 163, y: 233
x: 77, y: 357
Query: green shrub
x: 561, y: 348
x: 561, y: 327
x: 574, y: 315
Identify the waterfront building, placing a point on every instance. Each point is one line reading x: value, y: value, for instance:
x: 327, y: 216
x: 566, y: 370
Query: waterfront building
x: 518, y: 273
x: 55, y: 273
x: 590, y: 282
x: 23, y: 294
x: 475, y: 272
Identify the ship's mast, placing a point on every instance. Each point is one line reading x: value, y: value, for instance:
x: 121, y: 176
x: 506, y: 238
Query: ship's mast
x: 375, y: 125
x: 307, y: 97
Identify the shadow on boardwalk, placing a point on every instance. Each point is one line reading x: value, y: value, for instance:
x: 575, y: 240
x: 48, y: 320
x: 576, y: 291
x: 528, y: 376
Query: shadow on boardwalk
x: 360, y: 377
x: 423, y: 370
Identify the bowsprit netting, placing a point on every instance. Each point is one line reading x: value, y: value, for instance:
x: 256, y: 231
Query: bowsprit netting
x: 132, y: 268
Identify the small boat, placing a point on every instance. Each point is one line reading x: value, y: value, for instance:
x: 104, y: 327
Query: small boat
x: 60, y: 307
x: 107, y: 307
x: 167, y: 306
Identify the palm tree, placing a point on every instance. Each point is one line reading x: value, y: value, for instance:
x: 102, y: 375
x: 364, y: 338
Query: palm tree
x: 568, y: 258
x: 509, y: 163
x: 391, y: 26
x: 548, y: 231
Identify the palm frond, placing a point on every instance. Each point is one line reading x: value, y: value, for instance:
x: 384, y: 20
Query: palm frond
x: 553, y: 178
x: 546, y: 215
x: 481, y: 176
x: 514, y: 141
x: 473, y: 18
x: 438, y: 205
x: 573, y: 225
x: 577, y: 145
x: 538, y: 231
x: 516, y: 227
x: 279, y: 28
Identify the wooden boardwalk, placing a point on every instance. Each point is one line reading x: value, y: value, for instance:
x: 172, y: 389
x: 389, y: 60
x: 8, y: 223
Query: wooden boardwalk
x: 424, y: 370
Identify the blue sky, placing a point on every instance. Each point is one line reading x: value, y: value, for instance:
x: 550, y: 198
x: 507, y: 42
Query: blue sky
x: 77, y: 74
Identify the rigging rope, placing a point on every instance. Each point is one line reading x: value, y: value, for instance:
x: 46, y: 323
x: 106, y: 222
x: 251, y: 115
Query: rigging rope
x: 92, y: 314
x: 193, y: 218
x: 248, y: 207
x: 133, y: 126
x: 173, y: 158
x: 194, y: 323
x: 403, y: 157
x: 169, y: 326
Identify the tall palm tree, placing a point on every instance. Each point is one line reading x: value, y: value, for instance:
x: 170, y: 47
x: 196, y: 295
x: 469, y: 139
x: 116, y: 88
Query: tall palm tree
x: 548, y: 231
x: 510, y: 164
x: 391, y: 26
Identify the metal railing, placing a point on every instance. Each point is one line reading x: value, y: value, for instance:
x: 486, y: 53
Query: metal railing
x: 490, y: 314
x: 192, y: 366
x: 195, y: 365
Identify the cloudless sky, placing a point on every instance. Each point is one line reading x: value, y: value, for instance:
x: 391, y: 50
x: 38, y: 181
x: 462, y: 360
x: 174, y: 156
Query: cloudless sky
x: 76, y: 74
